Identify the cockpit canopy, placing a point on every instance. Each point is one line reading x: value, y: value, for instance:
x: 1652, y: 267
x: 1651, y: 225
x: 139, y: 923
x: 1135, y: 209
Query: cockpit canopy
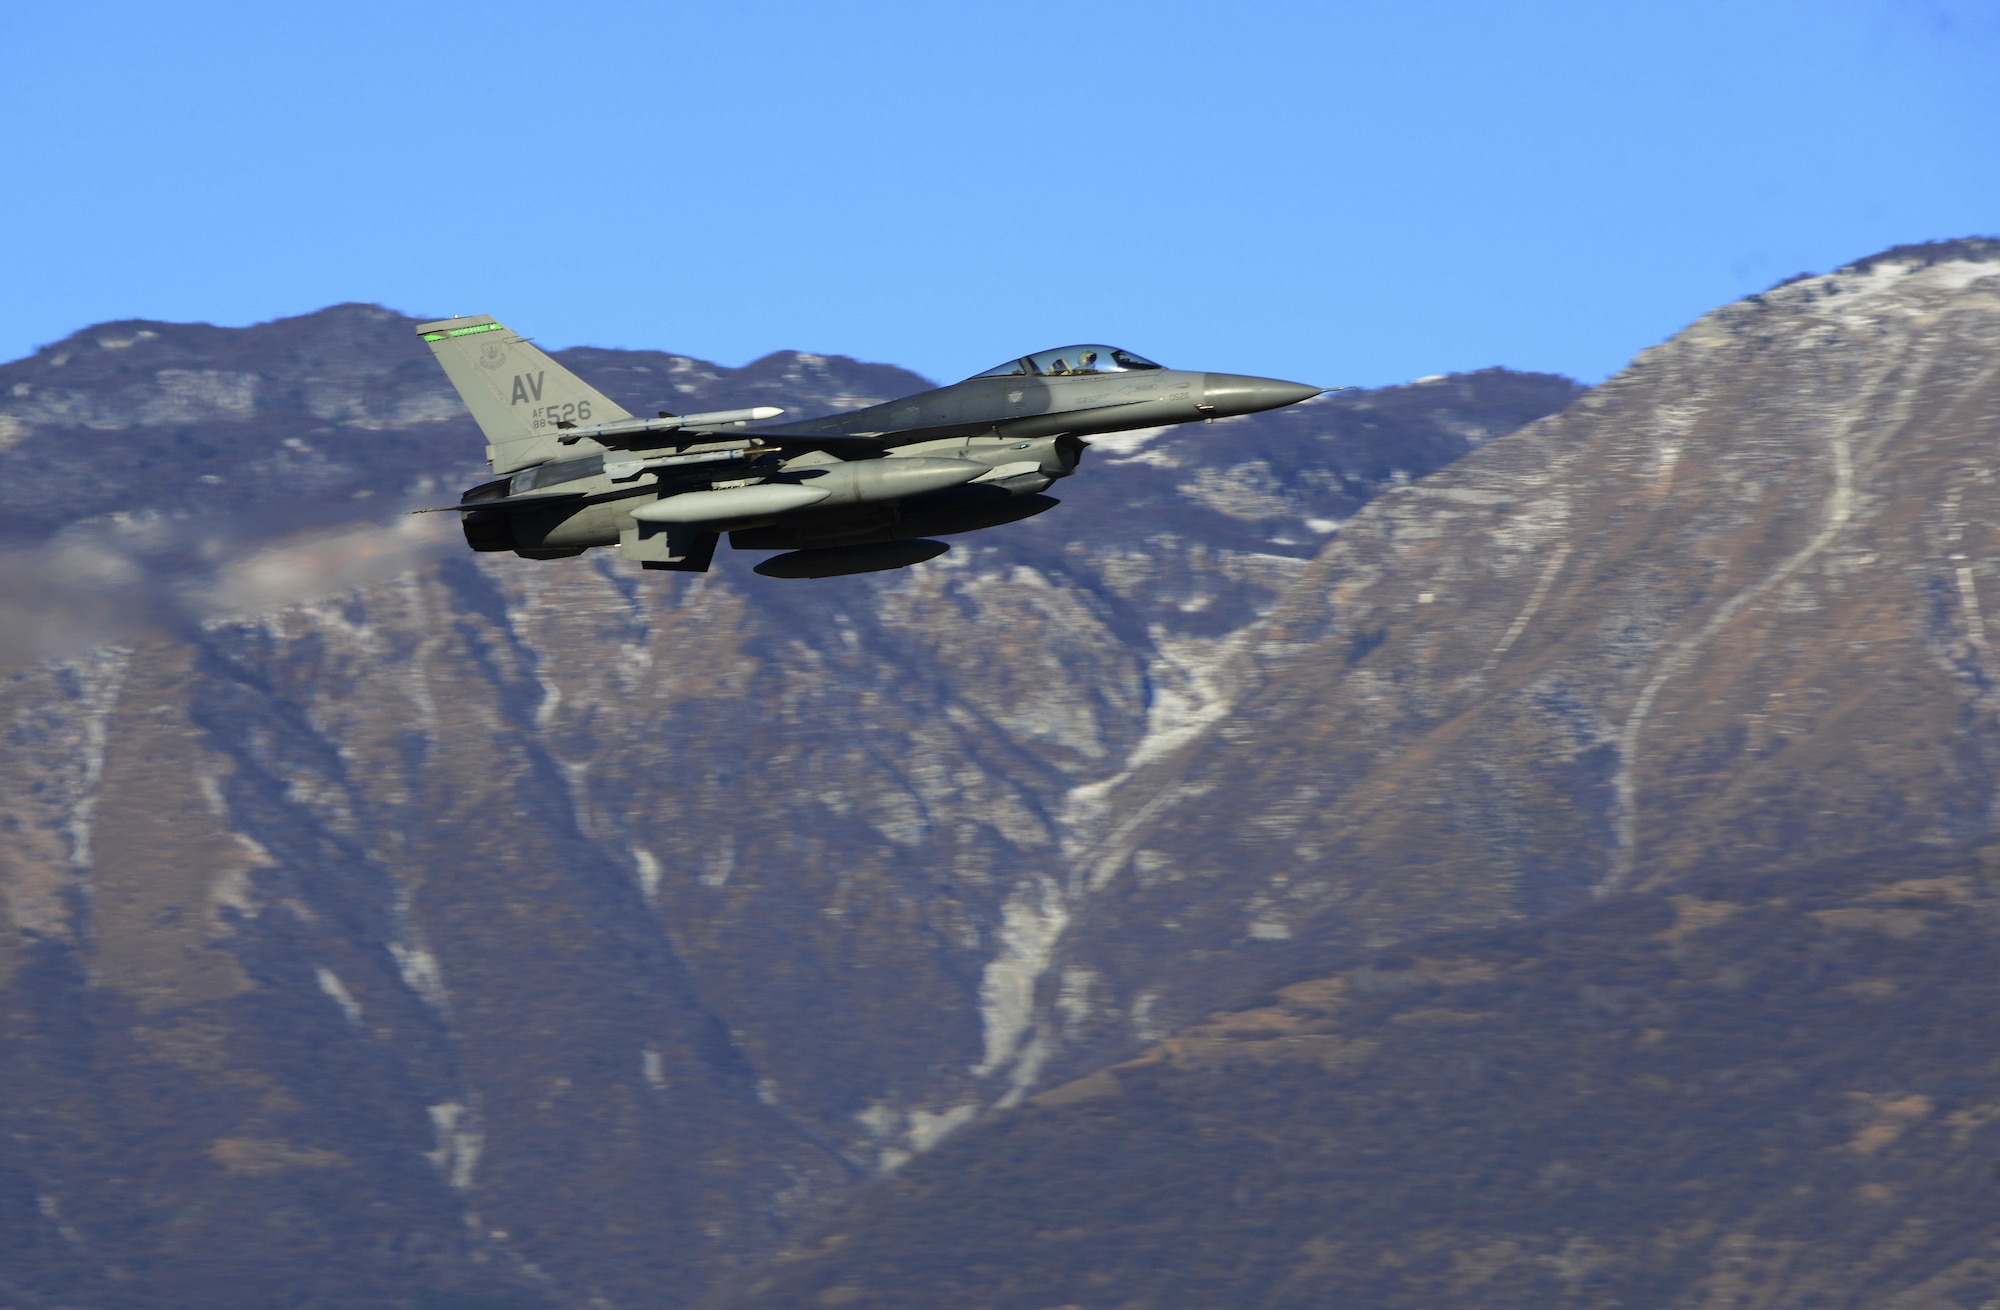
x: 1067, y: 361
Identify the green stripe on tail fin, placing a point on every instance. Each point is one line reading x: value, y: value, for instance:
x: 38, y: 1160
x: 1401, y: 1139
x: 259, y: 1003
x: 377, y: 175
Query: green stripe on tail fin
x: 516, y: 393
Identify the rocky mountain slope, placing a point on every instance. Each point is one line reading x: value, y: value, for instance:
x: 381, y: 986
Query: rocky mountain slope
x: 549, y: 934
x: 1727, y: 611
x: 392, y: 925
x: 1780, y: 1091
x: 1656, y: 666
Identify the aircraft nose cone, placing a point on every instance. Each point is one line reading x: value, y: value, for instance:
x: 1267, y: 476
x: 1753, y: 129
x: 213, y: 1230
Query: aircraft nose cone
x: 1233, y: 393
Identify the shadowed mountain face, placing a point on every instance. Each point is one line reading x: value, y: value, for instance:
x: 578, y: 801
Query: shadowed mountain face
x: 390, y: 924
x: 1781, y: 1091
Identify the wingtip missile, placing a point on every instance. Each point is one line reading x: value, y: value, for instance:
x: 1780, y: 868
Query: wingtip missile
x: 721, y: 416
x: 573, y: 433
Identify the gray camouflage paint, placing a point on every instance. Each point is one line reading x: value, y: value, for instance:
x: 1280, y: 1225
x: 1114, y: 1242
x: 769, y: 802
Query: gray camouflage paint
x: 589, y: 467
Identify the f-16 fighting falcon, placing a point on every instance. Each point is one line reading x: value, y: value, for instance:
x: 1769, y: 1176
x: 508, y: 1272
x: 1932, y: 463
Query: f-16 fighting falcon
x: 847, y: 493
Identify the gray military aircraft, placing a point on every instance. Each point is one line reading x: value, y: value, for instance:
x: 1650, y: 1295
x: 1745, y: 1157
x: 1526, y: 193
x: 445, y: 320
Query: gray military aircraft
x: 846, y: 493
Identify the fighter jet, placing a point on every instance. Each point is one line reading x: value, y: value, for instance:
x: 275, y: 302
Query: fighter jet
x: 844, y: 493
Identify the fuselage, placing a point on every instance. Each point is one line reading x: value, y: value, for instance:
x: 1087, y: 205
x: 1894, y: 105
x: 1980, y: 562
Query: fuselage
x: 1078, y: 404
x: 971, y: 455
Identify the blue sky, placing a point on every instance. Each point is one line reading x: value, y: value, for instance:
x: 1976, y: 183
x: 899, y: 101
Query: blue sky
x: 1334, y: 192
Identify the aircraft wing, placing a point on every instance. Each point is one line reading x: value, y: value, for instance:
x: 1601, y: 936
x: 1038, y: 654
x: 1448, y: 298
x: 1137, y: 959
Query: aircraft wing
x: 688, y: 429
x: 833, y: 442
x: 504, y: 502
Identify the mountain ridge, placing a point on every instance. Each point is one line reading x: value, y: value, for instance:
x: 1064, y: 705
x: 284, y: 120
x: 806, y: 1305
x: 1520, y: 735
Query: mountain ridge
x: 453, y: 927
x: 1532, y: 567
x: 549, y: 934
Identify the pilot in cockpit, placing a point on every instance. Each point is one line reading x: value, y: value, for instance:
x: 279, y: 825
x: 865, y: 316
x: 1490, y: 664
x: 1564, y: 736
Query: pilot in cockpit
x: 1056, y: 363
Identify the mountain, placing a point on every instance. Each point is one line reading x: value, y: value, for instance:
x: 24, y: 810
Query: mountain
x: 392, y: 925
x: 1727, y: 611
x: 1778, y: 1091
x: 401, y: 926
x: 293, y: 421
x: 1538, y: 794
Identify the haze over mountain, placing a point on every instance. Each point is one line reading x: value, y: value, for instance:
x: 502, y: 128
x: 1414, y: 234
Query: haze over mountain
x: 451, y: 926
x: 392, y: 921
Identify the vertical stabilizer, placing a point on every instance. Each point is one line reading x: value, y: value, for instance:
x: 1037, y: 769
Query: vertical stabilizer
x: 516, y: 393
